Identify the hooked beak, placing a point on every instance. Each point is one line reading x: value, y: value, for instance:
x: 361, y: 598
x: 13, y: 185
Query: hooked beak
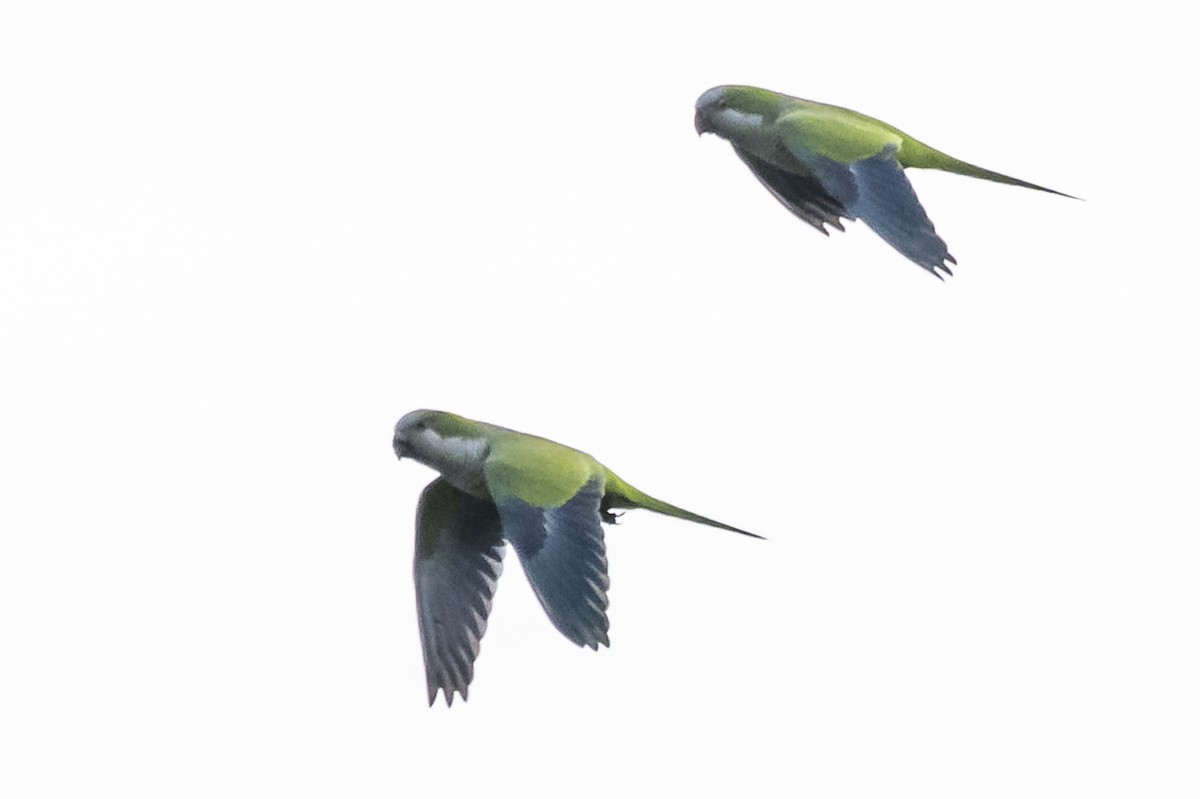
x: 702, y: 125
x: 400, y: 449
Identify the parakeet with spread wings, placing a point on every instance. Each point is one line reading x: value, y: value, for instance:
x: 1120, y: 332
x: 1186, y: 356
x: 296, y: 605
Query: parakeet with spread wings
x: 826, y: 163
x: 499, y: 486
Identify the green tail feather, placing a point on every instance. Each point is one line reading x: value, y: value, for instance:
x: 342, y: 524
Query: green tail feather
x: 619, y: 494
x: 922, y: 156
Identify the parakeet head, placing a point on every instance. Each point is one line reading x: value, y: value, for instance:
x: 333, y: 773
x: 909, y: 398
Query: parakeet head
x: 726, y: 110
x: 440, y: 440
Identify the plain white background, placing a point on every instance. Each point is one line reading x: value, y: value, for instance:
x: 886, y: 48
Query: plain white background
x: 239, y: 240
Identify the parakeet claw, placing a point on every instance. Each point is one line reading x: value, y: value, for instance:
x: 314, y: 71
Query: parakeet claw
x: 608, y: 517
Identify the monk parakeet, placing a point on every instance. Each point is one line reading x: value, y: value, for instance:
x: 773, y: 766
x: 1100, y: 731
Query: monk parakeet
x: 825, y: 163
x: 498, y: 486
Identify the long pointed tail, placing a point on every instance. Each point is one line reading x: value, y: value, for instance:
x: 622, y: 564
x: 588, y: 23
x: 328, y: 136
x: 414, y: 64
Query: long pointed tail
x: 620, y: 494
x: 922, y: 156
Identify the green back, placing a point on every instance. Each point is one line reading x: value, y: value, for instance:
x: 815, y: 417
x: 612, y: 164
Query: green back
x: 536, y: 470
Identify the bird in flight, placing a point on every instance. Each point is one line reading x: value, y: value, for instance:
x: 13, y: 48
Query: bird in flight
x: 826, y: 163
x: 498, y: 486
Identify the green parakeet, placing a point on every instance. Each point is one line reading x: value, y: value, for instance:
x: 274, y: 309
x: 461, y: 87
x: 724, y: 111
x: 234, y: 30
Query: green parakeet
x: 826, y: 163
x: 498, y: 486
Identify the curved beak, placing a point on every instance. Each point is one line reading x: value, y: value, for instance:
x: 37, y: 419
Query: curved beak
x: 399, y: 448
x: 702, y: 125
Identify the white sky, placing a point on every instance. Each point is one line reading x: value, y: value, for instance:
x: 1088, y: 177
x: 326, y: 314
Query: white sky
x: 238, y: 242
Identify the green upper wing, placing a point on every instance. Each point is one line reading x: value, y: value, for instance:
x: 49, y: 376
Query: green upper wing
x: 548, y: 497
x: 838, y: 134
x: 536, y: 470
x: 855, y: 160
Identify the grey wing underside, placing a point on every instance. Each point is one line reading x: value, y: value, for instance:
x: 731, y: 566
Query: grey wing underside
x: 822, y: 191
x: 885, y: 200
x: 457, y: 562
x: 800, y: 193
x: 562, y: 552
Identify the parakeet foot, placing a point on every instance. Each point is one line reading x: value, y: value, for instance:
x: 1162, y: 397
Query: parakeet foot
x: 608, y: 517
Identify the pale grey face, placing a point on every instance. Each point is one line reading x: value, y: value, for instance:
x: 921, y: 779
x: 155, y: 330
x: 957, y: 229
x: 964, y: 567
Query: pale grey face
x: 710, y: 104
x: 459, y: 456
x: 409, y: 429
x: 715, y: 114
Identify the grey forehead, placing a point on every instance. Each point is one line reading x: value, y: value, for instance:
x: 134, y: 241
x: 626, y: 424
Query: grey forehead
x: 711, y: 96
x: 411, y: 418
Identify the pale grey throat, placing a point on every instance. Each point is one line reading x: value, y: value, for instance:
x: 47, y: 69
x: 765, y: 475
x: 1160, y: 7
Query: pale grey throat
x: 460, y: 460
x: 732, y: 120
